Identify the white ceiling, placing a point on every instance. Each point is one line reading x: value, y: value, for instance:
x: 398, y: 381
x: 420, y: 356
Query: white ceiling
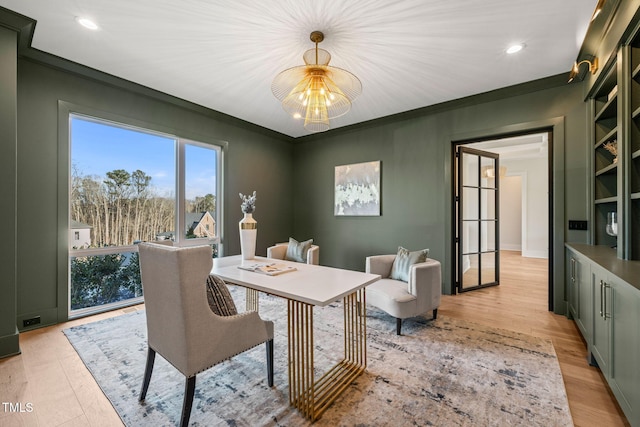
x: 223, y: 54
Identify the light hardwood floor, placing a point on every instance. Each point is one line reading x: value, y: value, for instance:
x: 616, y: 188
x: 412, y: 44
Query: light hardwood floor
x: 51, y: 378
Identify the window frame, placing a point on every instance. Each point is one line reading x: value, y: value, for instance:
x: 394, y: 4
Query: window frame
x: 66, y: 111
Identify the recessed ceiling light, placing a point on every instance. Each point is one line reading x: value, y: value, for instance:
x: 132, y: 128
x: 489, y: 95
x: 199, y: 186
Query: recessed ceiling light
x: 515, y: 48
x: 87, y: 23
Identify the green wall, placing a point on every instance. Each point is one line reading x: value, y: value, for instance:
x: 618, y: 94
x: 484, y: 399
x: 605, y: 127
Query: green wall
x: 415, y: 151
x: 255, y: 159
x: 8, y: 191
x: 294, y: 181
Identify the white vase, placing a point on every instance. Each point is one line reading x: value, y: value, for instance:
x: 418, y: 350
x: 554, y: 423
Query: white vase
x: 248, y: 234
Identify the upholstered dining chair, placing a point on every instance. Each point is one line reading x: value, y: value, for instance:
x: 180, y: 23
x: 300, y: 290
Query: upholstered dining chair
x: 402, y: 299
x: 295, y: 251
x: 182, y: 327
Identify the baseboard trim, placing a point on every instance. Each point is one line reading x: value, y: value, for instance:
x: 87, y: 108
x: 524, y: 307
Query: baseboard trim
x: 535, y: 254
x: 507, y: 247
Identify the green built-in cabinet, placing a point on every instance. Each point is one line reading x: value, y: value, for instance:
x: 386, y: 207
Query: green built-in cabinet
x: 603, y: 278
x: 604, y: 300
x: 632, y: 173
x: 579, y: 292
x: 605, y: 165
x: 615, y: 105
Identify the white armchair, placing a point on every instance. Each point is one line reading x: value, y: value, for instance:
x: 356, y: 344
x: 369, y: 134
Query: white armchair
x: 279, y: 251
x: 400, y: 299
x: 182, y: 327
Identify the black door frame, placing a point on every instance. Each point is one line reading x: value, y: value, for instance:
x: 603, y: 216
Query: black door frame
x: 458, y: 240
x: 550, y: 168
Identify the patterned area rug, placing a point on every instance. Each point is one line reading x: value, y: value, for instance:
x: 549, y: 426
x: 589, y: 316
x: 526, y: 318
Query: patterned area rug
x: 438, y: 373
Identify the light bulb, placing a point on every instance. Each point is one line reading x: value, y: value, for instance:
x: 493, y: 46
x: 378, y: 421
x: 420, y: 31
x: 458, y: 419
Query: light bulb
x: 297, y: 116
x: 514, y: 48
x: 87, y: 23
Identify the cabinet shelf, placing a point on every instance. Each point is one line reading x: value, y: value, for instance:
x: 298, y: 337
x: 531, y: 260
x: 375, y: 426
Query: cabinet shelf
x: 635, y: 196
x: 612, y: 168
x: 607, y: 137
x: 635, y: 72
x: 602, y: 201
x: 635, y: 154
x: 635, y: 113
x: 609, y: 109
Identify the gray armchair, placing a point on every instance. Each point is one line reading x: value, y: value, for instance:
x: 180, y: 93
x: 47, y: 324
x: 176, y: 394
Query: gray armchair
x: 400, y: 299
x: 182, y: 328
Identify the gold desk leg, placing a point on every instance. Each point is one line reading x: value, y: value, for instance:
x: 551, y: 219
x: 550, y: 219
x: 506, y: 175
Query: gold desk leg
x: 313, y: 397
x: 252, y: 300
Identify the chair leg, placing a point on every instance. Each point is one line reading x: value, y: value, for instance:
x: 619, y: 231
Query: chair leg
x: 435, y: 313
x: 398, y: 325
x: 269, y: 345
x: 151, y: 357
x: 189, y: 391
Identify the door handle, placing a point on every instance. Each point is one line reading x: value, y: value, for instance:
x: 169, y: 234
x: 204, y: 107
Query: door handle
x: 573, y: 269
x: 601, y: 298
x: 605, y: 314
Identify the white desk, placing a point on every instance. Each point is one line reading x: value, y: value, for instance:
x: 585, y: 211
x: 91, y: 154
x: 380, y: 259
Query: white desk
x: 304, y: 288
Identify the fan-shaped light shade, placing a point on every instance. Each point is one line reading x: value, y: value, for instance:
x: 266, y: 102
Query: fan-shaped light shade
x: 316, y: 91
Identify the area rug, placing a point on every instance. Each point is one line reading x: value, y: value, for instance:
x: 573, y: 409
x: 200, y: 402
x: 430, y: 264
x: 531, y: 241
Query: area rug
x: 445, y: 372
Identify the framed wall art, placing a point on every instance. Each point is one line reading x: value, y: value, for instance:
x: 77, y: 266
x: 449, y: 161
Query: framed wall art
x: 357, y: 189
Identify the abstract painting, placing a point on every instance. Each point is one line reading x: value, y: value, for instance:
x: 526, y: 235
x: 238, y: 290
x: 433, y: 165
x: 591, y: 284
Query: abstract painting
x: 357, y: 189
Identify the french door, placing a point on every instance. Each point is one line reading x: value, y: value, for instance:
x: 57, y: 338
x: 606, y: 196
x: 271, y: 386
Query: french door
x: 477, y: 231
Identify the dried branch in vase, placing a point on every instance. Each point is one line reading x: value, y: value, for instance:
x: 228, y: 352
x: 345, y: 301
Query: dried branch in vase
x: 612, y: 147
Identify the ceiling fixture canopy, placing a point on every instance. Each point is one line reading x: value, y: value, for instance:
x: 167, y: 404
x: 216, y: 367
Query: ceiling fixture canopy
x: 316, y: 91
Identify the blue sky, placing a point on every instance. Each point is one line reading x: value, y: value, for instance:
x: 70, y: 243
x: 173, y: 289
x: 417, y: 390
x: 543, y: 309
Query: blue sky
x: 99, y: 148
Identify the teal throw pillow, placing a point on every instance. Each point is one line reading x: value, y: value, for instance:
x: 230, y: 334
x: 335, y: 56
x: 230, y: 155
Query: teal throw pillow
x: 403, y: 262
x: 297, y: 251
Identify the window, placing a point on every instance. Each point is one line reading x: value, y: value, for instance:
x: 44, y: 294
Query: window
x: 130, y: 185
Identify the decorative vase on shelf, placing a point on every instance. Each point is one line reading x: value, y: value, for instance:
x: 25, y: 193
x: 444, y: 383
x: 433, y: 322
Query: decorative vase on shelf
x: 612, y: 224
x: 248, y: 227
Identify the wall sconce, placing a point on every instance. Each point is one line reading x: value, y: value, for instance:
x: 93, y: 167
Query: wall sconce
x: 593, y: 67
x: 490, y: 172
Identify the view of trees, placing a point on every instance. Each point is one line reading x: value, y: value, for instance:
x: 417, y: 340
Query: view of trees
x: 103, y: 279
x: 121, y: 208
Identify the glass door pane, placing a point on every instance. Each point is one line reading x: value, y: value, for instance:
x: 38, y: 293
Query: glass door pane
x: 477, y: 215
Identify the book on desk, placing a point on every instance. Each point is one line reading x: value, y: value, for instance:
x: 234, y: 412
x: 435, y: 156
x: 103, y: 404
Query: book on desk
x: 270, y: 269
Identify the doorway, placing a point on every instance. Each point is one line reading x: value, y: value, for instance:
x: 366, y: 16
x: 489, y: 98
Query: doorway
x: 524, y: 203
